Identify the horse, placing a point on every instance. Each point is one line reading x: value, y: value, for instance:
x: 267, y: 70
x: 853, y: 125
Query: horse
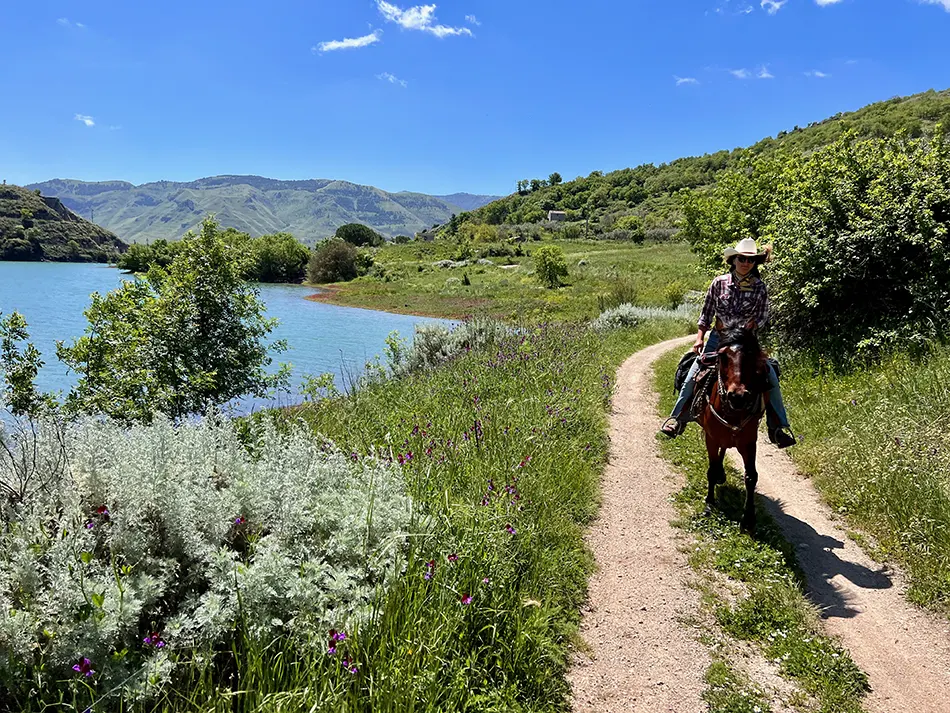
x: 730, y: 418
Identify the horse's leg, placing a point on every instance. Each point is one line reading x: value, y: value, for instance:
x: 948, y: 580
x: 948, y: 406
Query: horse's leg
x: 715, y: 474
x: 747, y: 452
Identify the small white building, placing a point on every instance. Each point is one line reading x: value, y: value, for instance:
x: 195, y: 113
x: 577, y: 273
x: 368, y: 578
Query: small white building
x: 557, y: 216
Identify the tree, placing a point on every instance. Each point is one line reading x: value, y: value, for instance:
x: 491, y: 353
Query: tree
x: 334, y: 261
x: 20, y: 367
x: 633, y: 225
x: 278, y: 258
x: 550, y: 265
x: 182, y: 340
x: 554, y: 179
x: 359, y: 235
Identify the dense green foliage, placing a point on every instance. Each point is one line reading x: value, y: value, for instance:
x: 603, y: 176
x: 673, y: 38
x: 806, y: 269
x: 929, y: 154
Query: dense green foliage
x: 185, y: 338
x: 310, y: 209
x: 333, y: 261
x: 550, y: 265
x: 270, y: 258
x: 20, y: 362
x: 359, y: 235
x: 34, y: 227
x: 649, y: 191
x: 860, y: 229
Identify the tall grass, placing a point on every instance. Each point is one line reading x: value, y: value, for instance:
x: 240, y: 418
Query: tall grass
x: 878, y: 446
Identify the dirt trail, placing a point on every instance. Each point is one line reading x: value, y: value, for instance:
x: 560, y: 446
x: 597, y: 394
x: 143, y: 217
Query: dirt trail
x: 904, y: 650
x: 642, y: 658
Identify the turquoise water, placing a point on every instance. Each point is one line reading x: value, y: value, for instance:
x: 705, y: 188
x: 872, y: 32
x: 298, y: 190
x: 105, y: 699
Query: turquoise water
x: 321, y: 337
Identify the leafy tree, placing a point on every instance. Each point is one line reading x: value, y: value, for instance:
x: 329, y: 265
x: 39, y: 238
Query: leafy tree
x: 555, y: 179
x: 184, y: 339
x: 278, y: 258
x: 334, y: 261
x: 550, y: 265
x: 359, y: 235
x: 536, y: 185
x: 20, y: 367
x: 633, y: 224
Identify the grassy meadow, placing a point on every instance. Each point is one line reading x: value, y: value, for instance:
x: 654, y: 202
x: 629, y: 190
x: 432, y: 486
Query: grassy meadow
x: 653, y: 274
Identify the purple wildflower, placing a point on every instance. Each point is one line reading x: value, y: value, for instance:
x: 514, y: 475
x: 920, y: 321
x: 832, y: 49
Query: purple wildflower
x: 154, y: 639
x: 430, y: 568
x: 486, y: 580
x: 103, y: 512
x: 84, y: 667
x: 90, y: 525
x: 510, y: 530
x: 466, y: 599
x: 453, y: 557
x: 239, y: 520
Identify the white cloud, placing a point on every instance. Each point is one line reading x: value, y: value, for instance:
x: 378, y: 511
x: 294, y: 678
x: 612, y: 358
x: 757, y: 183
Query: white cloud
x: 815, y: 73
x: 740, y: 73
x: 772, y: 6
x: 349, y: 43
x: 685, y: 80
x: 392, y: 79
x: 65, y: 22
x: 472, y: 20
x: 822, y: 3
x: 420, y: 17
x: 87, y: 120
x: 943, y: 3
x: 115, y: 128
x: 764, y: 73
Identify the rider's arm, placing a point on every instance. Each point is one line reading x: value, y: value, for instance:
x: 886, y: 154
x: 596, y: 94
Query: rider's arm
x: 706, y: 317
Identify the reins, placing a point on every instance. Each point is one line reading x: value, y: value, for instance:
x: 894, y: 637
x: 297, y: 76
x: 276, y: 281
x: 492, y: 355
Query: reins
x: 755, y: 413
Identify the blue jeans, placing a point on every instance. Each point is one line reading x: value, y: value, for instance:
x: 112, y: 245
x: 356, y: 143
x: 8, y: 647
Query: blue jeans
x: 775, y: 415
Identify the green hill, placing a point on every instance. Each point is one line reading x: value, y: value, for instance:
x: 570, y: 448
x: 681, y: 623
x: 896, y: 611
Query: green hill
x: 36, y: 227
x: 310, y: 210
x: 647, y: 191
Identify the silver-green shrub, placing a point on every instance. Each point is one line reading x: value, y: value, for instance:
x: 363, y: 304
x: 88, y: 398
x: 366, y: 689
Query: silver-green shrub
x: 435, y: 344
x: 113, y: 534
x: 627, y: 315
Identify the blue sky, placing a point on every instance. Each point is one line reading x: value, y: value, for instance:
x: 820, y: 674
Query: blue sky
x: 463, y: 95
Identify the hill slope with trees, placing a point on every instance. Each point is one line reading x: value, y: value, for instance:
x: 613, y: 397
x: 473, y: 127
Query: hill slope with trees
x: 311, y: 209
x: 37, y: 227
x: 646, y: 193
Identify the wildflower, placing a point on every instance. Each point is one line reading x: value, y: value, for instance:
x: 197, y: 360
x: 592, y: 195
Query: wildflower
x: 90, y: 525
x: 485, y: 501
x: 466, y: 599
x: 510, y: 530
x: 430, y: 569
x: 355, y: 456
x: 103, y: 512
x: 154, y: 639
x: 486, y: 580
x: 84, y: 667
x: 239, y: 520
x: 350, y: 666
x: 453, y: 557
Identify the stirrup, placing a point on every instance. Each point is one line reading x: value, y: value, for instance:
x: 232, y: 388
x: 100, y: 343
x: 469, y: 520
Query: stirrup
x: 678, y: 427
x: 779, y: 437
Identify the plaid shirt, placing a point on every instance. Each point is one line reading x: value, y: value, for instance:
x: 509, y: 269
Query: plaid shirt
x: 735, y: 307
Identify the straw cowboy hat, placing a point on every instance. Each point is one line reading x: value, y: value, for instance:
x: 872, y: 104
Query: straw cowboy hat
x: 747, y: 247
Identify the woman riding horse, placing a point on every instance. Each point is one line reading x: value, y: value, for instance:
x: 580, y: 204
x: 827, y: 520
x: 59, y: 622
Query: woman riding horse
x: 736, y: 299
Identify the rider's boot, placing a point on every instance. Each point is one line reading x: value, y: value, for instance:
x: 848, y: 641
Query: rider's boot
x: 672, y: 427
x: 781, y: 438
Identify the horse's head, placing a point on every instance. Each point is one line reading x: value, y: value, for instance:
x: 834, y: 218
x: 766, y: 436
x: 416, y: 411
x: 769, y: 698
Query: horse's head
x: 743, y: 368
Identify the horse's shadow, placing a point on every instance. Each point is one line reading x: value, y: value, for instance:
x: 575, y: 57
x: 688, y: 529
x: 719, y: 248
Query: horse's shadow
x: 816, y: 557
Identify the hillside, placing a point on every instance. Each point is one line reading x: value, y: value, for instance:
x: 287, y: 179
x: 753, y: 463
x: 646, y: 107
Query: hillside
x: 647, y: 191
x: 309, y: 209
x: 35, y: 227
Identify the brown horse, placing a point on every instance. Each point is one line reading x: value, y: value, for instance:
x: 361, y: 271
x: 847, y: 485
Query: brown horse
x: 735, y: 407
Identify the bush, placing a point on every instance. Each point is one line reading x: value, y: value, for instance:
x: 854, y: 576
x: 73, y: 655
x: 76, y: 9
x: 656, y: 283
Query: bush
x: 149, y: 550
x: 402, y: 239
x: 364, y: 262
x: 550, y: 265
x: 674, y: 292
x: 436, y: 344
x: 627, y: 315
x: 334, y: 261
x: 359, y: 235
x: 633, y: 225
x: 570, y: 231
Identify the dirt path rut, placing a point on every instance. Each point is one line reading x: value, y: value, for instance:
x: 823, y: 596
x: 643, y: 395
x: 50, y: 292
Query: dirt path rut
x: 642, y: 658
x: 904, y: 650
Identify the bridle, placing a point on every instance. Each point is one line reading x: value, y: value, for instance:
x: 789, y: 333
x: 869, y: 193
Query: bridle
x: 756, y: 412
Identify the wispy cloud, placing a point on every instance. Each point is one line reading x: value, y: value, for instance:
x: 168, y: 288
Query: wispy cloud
x: 685, y: 80
x: 65, y: 22
x: 772, y: 6
x: 472, y: 20
x: 420, y: 17
x: 392, y: 79
x: 115, y: 128
x: 764, y: 73
x: 822, y: 3
x: 349, y: 43
x: 87, y: 120
x: 945, y: 4
x: 740, y: 73
x: 817, y: 74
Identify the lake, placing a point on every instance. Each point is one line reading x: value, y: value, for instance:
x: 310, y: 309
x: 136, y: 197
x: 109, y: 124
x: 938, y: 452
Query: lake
x: 322, y: 338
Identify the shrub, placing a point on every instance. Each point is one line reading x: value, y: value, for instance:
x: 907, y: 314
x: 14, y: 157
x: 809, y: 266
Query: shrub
x: 359, y: 235
x: 149, y: 549
x: 633, y: 225
x: 550, y: 265
x: 627, y: 315
x: 435, y: 344
x: 402, y: 239
x: 364, y: 262
x: 334, y: 261
x: 623, y: 291
x: 570, y: 231
x: 465, y: 281
x: 674, y: 292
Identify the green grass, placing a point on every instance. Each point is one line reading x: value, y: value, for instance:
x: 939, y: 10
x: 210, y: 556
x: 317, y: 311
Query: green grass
x: 502, y: 450
x: 771, y: 609
x: 652, y: 275
x: 730, y: 691
x: 877, y: 445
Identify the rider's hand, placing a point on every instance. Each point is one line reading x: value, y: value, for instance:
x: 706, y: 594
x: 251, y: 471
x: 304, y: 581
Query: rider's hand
x: 698, y: 346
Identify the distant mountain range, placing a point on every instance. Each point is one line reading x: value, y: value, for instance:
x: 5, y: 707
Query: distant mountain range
x: 311, y: 209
